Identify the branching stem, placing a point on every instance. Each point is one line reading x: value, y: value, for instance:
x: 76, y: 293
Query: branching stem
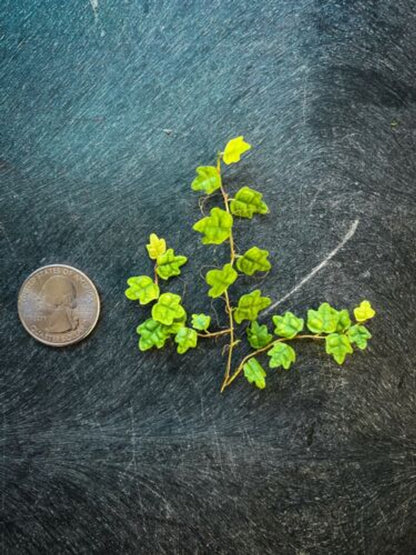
x: 226, y: 296
x: 215, y: 333
x: 240, y: 367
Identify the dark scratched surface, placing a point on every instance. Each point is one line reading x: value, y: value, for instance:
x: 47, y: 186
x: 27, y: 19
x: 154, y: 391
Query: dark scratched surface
x: 107, y: 108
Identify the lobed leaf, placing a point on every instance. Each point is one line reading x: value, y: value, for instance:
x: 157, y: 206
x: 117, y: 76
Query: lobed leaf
x: 248, y: 202
x: 364, y: 312
x: 142, y: 288
x: 254, y: 260
x: 176, y: 325
x: 186, y: 338
x: 258, y: 335
x: 201, y: 321
x: 359, y: 335
x: 168, y: 309
x: 344, y: 321
x: 234, y: 149
x: 281, y: 354
x: 216, y: 227
x: 323, y: 320
x: 255, y: 373
x: 152, y: 334
x: 207, y: 180
x: 287, y: 325
x: 250, y: 305
x: 220, y: 280
x: 338, y: 345
x: 156, y: 246
x: 168, y: 264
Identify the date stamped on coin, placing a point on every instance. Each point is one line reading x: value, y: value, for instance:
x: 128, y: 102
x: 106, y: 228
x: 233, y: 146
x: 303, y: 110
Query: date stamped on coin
x: 58, y: 305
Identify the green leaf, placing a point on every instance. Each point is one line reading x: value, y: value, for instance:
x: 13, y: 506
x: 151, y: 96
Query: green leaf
x: 201, y: 321
x: 152, y: 334
x: 250, y: 305
x: 325, y: 319
x: 255, y: 373
x: 234, y: 149
x: 338, y: 345
x: 287, y: 325
x: 168, y: 264
x: 364, y: 311
x: 142, y: 288
x: 186, y: 338
x: 258, y: 335
x: 176, y: 325
x: 281, y: 355
x: 220, y: 280
x: 254, y: 260
x: 344, y: 321
x: 248, y: 202
x: 359, y: 335
x: 156, y: 246
x: 207, y: 180
x: 216, y: 227
x: 168, y: 308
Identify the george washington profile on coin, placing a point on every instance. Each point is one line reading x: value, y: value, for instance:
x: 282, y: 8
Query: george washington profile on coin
x: 58, y: 305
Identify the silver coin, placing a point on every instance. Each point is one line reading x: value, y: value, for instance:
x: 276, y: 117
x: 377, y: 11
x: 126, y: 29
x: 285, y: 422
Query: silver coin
x: 58, y: 305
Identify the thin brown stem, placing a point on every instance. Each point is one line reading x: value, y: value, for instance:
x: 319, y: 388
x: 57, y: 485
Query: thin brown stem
x: 231, y: 345
x: 227, y: 208
x: 214, y: 334
x: 226, y: 296
x: 240, y: 367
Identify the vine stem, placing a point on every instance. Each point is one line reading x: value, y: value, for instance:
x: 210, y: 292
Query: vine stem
x: 240, y: 367
x: 227, y: 208
x: 214, y: 334
x: 226, y: 296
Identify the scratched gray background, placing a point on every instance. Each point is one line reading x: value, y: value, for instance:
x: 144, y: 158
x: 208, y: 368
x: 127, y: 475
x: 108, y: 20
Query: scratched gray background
x: 107, y: 107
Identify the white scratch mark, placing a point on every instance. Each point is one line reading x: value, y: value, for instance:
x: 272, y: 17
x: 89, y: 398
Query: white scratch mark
x: 317, y: 268
x: 94, y: 6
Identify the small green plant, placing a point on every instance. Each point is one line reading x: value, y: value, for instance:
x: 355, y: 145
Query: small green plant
x: 169, y: 318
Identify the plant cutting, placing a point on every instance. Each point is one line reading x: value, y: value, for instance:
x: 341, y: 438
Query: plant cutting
x: 334, y: 328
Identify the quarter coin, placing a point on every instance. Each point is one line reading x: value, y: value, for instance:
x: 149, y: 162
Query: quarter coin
x: 58, y: 305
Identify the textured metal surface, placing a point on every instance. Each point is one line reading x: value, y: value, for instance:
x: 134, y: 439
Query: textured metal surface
x: 58, y: 305
x: 107, y: 108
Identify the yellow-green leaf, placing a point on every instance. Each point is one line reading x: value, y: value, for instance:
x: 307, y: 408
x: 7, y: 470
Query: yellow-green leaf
x: 254, y: 260
x: 287, y: 325
x: 234, y: 149
x: 338, y: 345
x: 156, y: 246
x: 258, y: 335
x: 142, y: 288
x: 248, y: 202
x: 186, y: 338
x: 250, y: 305
x: 359, y: 335
x: 176, y: 325
x: 168, y: 264
x: 207, y: 180
x: 220, y: 280
x: 152, y: 334
x: 201, y: 321
x: 168, y: 308
x: 325, y: 319
x: 344, y: 320
x: 281, y: 354
x: 364, y: 311
x: 255, y: 373
x: 216, y: 227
